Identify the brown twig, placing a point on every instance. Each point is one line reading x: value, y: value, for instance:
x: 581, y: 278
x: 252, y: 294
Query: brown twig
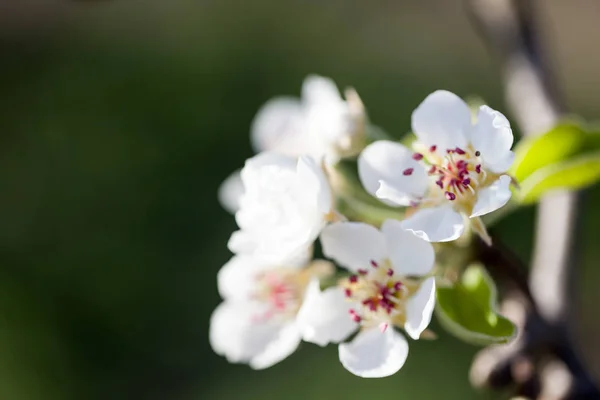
x: 541, y: 363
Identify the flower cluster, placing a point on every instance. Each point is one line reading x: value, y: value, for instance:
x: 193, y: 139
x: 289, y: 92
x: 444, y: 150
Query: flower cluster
x: 276, y: 295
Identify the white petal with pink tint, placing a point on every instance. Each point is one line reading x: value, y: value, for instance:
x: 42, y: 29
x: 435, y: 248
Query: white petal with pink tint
x: 408, y: 254
x: 283, y: 209
x: 393, y: 164
x: 280, y: 126
x: 235, y: 279
x: 437, y: 224
x: 230, y: 192
x: 374, y: 354
x: 493, y: 197
x: 235, y: 334
x: 493, y: 138
x: 419, y: 309
x: 354, y: 245
x: 443, y: 120
x: 323, y: 317
x: 281, y: 345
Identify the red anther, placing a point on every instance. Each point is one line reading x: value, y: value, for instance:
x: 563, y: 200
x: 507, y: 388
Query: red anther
x: 408, y: 171
x: 433, y: 148
x: 348, y: 293
x: 440, y: 183
x: 356, y: 318
x: 432, y: 170
x: 466, y: 182
x: 362, y: 271
x: 449, y: 151
x: 352, y: 311
x: 417, y: 156
x: 450, y: 196
x: 390, y: 272
x: 397, y: 285
x: 461, y: 164
x: 353, y: 278
x: 477, y: 153
x: 460, y: 151
x: 374, y: 264
x: 478, y: 168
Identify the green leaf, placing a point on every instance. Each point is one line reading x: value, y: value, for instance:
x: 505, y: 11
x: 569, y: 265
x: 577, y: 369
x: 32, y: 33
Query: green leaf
x: 566, y: 140
x: 468, y: 309
x: 574, y: 174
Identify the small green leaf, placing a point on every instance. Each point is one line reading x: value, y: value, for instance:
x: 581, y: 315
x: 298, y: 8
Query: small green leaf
x: 573, y: 174
x: 563, y: 142
x: 468, y: 309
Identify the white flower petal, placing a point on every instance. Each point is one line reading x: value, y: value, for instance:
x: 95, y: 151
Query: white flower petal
x: 373, y: 354
x: 280, y: 126
x: 436, y: 224
x: 284, y: 343
x: 235, y: 333
x: 253, y: 166
x: 323, y: 317
x: 353, y: 245
x: 314, y: 180
x: 230, y: 192
x: 390, y: 195
x: 409, y: 254
x: 236, y: 278
x: 318, y: 90
x: 419, y: 309
x: 492, y: 197
x: 387, y: 161
x: 443, y: 119
x: 493, y: 138
x: 283, y: 209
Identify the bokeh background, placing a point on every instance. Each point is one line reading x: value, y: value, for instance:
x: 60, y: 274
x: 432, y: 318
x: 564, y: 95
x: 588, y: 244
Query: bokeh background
x: 118, y: 121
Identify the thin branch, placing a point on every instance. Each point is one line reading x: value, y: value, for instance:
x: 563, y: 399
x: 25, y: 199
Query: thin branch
x: 508, y: 27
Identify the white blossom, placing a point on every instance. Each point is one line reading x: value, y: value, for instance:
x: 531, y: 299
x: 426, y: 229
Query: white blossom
x: 458, y: 168
x: 321, y: 124
x: 285, y: 204
x: 256, y: 322
x: 388, y: 288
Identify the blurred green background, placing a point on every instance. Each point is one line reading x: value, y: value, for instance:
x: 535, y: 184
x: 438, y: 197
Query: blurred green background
x: 118, y: 121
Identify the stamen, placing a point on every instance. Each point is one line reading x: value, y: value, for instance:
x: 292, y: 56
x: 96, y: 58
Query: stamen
x: 408, y: 171
x: 353, y: 278
x: 460, y: 151
x: 466, y: 182
x: 390, y: 272
x: 356, y: 318
x: 374, y: 264
x: 477, y: 153
x: 348, y: 293
x: 440, y: 183
x: 478, y: 168
x: 397, y: 286
x: 450, y: 196
x: 433, y: 148
x: 432, y: 170
x: 417, y: 156
x: 362, y: 271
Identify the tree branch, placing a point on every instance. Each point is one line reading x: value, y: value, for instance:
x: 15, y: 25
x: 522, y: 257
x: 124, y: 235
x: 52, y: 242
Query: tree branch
x: 542, y: 361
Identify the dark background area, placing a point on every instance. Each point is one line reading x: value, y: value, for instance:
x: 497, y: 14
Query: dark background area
x: 119, y: 120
